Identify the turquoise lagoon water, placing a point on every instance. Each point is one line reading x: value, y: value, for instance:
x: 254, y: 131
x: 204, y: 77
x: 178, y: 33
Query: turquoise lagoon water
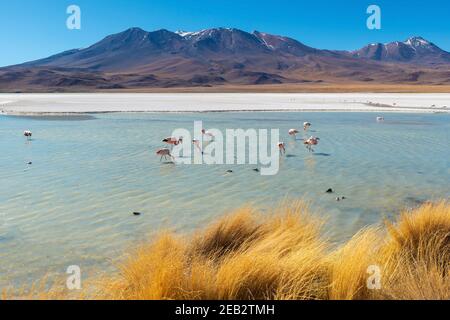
x: 74, y: 204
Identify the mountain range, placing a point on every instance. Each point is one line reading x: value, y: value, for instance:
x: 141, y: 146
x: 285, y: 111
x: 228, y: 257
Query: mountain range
x: 137, y: 59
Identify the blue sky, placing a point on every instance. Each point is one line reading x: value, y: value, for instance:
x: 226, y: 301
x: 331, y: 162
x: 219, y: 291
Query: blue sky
x: 32, y: 29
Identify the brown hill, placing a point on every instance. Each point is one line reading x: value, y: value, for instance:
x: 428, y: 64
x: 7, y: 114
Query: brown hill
x: 137, y: 59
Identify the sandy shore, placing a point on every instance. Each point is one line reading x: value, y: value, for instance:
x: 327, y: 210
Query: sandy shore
x: 57, y: 103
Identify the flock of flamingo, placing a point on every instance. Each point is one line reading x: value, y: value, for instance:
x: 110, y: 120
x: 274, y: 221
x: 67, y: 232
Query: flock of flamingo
x: 174, y: 141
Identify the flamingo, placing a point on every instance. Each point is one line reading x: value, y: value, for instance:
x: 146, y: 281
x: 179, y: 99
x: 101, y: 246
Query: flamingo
x: 293, y: 132
x: 306, y: 126
x: 312, y: 141
x: 282, y: 147
x: 196, y: 143
x: 208, y: 134
x: 28, y: 134
x: 172, y: 141
x: 164, y: 153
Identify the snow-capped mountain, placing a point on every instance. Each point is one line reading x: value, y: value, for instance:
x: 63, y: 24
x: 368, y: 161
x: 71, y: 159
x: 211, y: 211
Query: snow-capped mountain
x: 413, y: 50
x: 136, y: 58
x: 136, y: 48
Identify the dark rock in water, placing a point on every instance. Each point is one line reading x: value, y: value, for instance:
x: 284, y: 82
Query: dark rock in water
x: 256, y: 170
x: 343, y: 198
x: 330, y: 190
x: 415, y: 201
x: 229, y: 171
x: 136, y: 213
x: 322, y: 154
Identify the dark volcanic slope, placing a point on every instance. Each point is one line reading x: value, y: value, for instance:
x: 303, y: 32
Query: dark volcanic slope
x: 125, y: 51
x: 137, y: 50
x: 138, y: 59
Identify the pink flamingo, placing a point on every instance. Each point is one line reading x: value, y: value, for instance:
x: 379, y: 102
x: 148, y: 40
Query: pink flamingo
x: 172, y: 141
x: 293, y: 132
x: 312, y: 141
x: 208, y: 134
x: 28, y: 134
x: 306, y: 126
x: 164, y: 153
x: 282, y: 148
x: 196, y: 143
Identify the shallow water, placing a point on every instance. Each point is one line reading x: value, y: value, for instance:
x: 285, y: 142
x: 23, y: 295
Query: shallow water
x: 74, y: 204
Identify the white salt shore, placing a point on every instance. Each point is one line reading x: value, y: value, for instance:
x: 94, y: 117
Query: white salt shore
x: 56, y: 103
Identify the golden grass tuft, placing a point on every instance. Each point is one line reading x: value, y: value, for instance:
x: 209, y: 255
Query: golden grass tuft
x: 349, y: 264
x: 227, y: 234
x: 243, y: 256
x: 283, y: 259
x: 413, y: 255
x: 283, y: 255
x: 417, y: 254
x: 422, y: 234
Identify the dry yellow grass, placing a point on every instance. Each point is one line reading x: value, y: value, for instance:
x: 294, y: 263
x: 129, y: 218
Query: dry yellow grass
x: 417, y: 254
x: 243, y: 256
x: 349, y: 264
x: 283, y: 255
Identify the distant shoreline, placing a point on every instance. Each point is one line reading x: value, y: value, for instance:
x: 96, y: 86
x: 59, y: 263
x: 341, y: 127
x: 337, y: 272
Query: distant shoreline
x: 351, y: 87
x: 66, y: 104
x: 93, y: 113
